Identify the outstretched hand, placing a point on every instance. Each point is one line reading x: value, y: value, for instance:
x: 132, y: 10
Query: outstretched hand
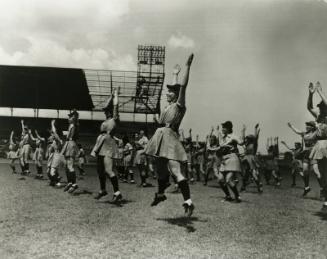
x: 318, y: 87
x: 289, y: 124
x: 176, y: 69
x: 312, y: 89
x: 256, y: 126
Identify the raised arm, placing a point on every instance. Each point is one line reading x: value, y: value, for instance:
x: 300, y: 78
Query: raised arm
x: 256, y: 131
x: 267, y: 144
x: 11, y: 139
x: 54, y: 131
x: 256, y: 135
x: 182, y: 135
x: 190, y: 134
x: 284, y: 143
x: 219, y: 135
x: 31, y: 135
x: 309, y: 102
x: 23, y: 125
x: 242, y: 138
x: 295, y: 130
x: 38, y: 136
x: 116, y: 103
x: 182, y: 91
x: 155, y: 119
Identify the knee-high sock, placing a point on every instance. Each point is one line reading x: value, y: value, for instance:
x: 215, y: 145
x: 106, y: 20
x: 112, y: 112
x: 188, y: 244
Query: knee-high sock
x: 235, y: 191
x: 68, y: 176
x: 73, y: 177
x: 294, y: 178
x: 114, y: 182
x: 224, y: 187
x: 185, y: 189
x: 162, y: 185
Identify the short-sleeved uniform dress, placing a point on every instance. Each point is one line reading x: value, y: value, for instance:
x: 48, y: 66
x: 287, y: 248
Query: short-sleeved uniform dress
x: 319, y: 150
x: 165, y: 141
x: 140, y: 158
x: 230, y: 161
x: 250, y: 160
x: 25, y: 146
x: 70, y: 148
x: 105, y: 144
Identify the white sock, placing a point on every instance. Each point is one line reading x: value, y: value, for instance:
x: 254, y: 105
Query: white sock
x: 117, y: 193
x: 189, y: 202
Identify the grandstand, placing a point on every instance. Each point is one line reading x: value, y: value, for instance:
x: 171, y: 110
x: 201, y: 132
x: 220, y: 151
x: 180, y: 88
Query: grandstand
x: 39, y: 94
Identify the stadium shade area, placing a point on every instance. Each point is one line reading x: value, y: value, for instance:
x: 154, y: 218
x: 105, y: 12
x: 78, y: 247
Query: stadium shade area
x: 44, y: 88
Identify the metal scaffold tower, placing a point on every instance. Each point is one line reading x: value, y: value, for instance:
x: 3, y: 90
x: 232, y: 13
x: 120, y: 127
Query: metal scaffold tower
x: 140, y: 90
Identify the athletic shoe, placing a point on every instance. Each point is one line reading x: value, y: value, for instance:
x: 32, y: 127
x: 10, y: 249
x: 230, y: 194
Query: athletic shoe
x: 228, y: 198
x: 188, y: 209
x: 67, y: 187
x: 132, y: 181
x: 192, y: 180
x: 260, y: 190
x: 306, y: 191
x: 157, y: 199
x: 73, y: 188
x: 58, y: 185
x: 117, y: 198
x: 100, y: 195
x: 238, y: 199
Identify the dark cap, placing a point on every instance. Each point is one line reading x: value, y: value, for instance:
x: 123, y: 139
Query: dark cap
x: 311, y: 124
x: 227, y: 125
x: 73, y: 113
x: 174, y: 87
x: 321, y: 105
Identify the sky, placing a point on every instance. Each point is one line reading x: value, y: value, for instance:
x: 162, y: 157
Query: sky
x: 253, y: 58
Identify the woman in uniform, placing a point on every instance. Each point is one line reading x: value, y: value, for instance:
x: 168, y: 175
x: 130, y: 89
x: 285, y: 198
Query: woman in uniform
x: 165, y: 144
x: 13, y: 152
x: 230, y: 161
x: 25, y: 148
x: 70, y: 150
x: 106, y: 149
x: 319, y: 150
x: 140, y: 159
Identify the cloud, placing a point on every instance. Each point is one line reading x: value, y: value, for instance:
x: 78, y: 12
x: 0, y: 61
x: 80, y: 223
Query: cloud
x: 50, y: 53
x: 180, y: 41
x: 72, y: 33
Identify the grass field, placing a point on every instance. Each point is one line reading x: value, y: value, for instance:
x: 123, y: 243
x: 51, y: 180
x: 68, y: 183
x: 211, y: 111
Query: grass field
x: 38, y: 221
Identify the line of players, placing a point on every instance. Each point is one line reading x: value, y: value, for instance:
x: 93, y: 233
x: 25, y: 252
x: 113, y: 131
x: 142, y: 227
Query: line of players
x: 204, y: 157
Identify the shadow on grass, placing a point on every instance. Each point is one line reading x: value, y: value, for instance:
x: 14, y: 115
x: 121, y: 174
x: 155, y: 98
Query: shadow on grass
x: 213, y: 186
x: 117, y: 204
x: 184, y: 222
x: 321, y: 214
x: 82, y: 192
